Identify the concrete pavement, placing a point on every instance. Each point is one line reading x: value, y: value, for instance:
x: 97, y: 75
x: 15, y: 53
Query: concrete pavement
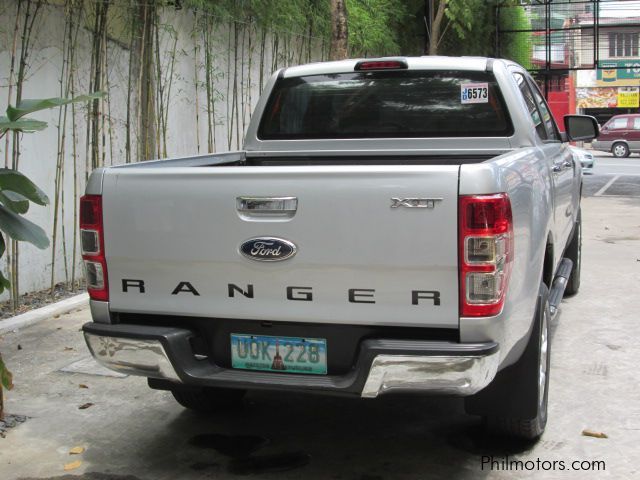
x: 129, y: 431
x: 613, y: 177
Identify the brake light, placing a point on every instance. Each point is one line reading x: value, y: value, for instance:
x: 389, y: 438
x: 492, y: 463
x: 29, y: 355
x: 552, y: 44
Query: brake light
x: 92, y: 245
x: 486, y: 253
x: 381, y: 65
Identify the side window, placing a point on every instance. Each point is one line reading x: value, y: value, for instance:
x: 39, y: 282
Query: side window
x: 547, y: 117
x: 531, y: 105
x: 618, y: 123
x: 636, y: 123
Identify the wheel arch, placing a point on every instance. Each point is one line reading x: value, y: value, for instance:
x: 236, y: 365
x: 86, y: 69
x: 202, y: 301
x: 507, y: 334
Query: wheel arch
x: 619, y: 140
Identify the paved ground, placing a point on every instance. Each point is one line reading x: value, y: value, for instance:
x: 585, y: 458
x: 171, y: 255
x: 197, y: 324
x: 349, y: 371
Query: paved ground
x: 130, y: 432
x: 613, y: 177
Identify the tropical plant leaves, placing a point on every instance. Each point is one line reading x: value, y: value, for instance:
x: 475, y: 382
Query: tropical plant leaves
x: 15, y: 192
x: 25, y: 125
x: 21, y: 229
x: 29, y: 106
x: 4, y: 283
x: 6, y: 379
x: 14, y: 114
x: 19, y: 206
x: 15, y: 181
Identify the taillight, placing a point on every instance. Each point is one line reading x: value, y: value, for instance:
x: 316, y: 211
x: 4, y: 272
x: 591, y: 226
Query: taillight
x: 486, y: 253
x: 92, y: 245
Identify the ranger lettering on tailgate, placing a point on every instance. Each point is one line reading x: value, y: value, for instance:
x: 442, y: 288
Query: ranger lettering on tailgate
x: 354, y: 295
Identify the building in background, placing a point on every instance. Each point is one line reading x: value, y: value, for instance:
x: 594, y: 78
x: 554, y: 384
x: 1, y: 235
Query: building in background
x: 583, y: 53
x: 614, y: 87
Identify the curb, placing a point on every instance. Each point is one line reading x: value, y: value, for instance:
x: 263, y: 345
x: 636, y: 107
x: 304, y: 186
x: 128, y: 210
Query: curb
x: 39, y: 314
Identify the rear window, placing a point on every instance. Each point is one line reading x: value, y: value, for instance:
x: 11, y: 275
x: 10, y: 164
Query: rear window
x: 386, y: 104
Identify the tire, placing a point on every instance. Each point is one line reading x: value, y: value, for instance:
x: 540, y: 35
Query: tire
x: 208, y: 399
x: 515, y: 403
x: 620, y: 150
x: 574, y: 253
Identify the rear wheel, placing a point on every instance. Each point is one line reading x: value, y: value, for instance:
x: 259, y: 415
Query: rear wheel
x: 620, y: 150
x: 515, y: 404
x: 574, y: 253
x: 208, y: 399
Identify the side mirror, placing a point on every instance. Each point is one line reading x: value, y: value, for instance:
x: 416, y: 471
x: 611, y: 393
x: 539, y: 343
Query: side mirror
x: 580, y: 127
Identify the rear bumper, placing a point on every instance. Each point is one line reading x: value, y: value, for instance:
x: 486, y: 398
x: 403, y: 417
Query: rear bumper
x: 434, y: 367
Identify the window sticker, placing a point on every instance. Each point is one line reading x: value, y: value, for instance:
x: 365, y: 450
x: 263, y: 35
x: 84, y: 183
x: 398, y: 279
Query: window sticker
x: 474, y: 93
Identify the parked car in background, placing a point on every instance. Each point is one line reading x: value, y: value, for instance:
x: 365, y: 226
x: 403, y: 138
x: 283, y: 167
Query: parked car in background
x: 585, y: 158
x: 620, y: 136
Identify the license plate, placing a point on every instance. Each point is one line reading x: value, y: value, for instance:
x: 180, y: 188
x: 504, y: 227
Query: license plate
x: 279, y: 354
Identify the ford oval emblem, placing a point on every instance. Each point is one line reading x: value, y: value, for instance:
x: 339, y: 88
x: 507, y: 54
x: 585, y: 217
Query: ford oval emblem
x: 267, y: 249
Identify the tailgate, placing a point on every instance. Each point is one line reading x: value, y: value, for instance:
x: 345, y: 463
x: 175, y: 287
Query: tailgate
x: 358, y: 260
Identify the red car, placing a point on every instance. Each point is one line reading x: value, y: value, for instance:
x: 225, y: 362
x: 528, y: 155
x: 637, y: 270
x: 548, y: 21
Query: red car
x: 620, y: 136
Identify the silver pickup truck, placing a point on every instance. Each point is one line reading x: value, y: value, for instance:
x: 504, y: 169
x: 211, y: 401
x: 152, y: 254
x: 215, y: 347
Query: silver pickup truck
x: 395, y: 224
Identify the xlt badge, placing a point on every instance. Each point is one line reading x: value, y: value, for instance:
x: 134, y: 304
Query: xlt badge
x: 267, y: 249
x: 414, y: 202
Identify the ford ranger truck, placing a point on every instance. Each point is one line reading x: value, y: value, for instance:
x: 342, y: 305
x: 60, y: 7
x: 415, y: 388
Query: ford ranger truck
x: 392, y: 225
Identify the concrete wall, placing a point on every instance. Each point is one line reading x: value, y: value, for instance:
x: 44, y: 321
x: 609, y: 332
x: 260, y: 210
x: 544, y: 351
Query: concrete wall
x: 45, y: 63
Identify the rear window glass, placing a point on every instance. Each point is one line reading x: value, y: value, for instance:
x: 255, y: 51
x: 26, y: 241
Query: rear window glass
x: 411, y: 103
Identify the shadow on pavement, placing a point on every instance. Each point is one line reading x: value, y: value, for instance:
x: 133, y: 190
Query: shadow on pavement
x: 322, y: 437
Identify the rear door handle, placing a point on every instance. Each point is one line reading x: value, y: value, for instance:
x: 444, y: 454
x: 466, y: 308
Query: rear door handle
x: 277, y: 207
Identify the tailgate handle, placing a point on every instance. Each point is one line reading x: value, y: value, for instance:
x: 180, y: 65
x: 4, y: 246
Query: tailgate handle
x: 267, y: 206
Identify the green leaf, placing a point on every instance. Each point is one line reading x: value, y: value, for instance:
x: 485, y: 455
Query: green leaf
x: 25, y: 125
x: 15, y: 181
x: 22, y: 229
x: 6, y: 379
x: 16, y: 206
x: 15, y: 196
x: 34, y: 105
x: 4, y: 283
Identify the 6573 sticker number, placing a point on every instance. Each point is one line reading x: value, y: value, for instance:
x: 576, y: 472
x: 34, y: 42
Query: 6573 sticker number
x: 474, y: 93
